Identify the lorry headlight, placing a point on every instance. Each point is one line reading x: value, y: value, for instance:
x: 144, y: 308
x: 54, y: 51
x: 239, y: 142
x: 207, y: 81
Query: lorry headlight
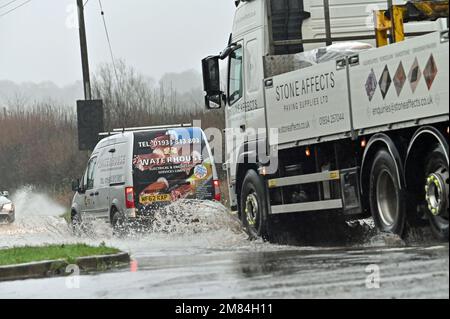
x: 8, y: 207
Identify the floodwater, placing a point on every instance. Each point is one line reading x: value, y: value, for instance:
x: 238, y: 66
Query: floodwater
x: 200, y: 251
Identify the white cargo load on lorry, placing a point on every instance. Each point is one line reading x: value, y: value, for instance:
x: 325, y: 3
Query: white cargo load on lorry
x: 349, y: 19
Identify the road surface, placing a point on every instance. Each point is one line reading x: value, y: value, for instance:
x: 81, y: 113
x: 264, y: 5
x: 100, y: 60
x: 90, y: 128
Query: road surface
x: 210, y: 257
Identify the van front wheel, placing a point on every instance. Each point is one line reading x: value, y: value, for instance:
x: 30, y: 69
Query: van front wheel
x: 78, y: 226
x: 253, y: 206
x: 118, y: 223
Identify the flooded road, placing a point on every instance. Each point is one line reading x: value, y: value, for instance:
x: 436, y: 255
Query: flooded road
x: 205, y: 254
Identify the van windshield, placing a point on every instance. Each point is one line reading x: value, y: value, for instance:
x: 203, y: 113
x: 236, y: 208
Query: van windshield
x: 169, y: 165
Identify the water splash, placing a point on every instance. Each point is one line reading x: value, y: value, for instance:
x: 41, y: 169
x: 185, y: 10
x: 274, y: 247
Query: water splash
x: 193, y: 217
x: 30, y: 202
x: 187, y: 227
x: 37, y: 220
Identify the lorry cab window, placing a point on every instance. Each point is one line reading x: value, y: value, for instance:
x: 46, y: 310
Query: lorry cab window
x: 235, y: 90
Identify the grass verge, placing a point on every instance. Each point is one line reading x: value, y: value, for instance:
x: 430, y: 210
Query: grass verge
x: 69, y: 253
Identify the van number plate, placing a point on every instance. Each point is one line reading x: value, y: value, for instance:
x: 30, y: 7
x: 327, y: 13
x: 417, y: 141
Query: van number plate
x: 149, y: 199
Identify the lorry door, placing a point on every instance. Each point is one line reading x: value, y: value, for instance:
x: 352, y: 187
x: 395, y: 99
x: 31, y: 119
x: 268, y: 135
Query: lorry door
x: 253, y: 92
x: 235, y: 113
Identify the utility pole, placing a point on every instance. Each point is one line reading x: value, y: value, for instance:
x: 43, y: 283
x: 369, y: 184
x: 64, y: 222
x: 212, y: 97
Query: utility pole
x: 84, y: 52
x: 89, y: 111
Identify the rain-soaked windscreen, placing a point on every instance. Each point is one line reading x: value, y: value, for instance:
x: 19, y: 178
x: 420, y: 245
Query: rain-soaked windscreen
x: 169, y: 165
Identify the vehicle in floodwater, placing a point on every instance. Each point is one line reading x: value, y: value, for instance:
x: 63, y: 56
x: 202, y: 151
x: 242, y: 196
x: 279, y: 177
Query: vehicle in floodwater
x: 7, y: 209
x: 331, y: 128
x: 134, y: 172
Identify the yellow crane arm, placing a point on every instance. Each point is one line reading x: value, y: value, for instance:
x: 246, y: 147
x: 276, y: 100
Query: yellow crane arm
x: 391, y: 22
x: 432, y: 9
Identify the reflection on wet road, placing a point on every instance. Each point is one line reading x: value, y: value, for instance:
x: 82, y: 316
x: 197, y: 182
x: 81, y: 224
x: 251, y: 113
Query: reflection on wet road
x: 302, y: 273
x: 213, y: 259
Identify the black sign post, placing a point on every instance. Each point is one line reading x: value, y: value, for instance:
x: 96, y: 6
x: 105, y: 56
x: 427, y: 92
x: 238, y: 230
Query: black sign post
x: 90, y: 123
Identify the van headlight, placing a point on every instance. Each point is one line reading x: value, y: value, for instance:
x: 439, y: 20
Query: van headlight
x: 8, y: 208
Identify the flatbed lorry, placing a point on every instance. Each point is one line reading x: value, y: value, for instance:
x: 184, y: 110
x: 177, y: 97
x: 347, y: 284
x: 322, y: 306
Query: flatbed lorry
x: 325, y: 116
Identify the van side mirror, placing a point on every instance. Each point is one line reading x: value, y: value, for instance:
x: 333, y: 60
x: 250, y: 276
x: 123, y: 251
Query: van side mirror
x: 5, y: 194
x: 211, y: 82
x: 76, y: 185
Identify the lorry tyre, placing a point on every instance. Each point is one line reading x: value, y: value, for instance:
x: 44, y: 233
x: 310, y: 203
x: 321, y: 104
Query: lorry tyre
x: 254, y: 206
x: 437, y: 192
x: 387, y: 199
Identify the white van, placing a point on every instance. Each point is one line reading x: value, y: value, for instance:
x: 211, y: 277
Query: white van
x: 132, y: 173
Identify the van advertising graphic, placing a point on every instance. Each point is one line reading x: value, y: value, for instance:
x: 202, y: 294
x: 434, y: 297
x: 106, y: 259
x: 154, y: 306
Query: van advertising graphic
x: 170, y: 165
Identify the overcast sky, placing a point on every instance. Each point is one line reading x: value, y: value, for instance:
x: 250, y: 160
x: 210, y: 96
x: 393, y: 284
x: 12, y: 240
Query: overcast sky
x: 39, y: 41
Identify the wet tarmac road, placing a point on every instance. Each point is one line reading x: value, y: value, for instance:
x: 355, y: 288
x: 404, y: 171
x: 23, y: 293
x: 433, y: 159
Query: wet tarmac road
x: 299, y: 273
x: 214, y: 259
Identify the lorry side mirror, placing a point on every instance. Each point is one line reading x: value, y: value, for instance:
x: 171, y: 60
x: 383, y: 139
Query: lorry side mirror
x: 211, y: 82
x: 214, y: 102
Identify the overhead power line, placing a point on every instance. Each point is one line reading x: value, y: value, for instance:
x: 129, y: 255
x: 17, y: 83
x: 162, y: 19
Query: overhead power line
x: 109, y: 42
x: 7, y: 4
x: 15, y: 8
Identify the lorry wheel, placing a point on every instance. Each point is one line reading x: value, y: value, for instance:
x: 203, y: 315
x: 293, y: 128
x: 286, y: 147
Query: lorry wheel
x: 437, y: 192
x: 387, y: 200
x: 253, y: 205
x: 118, y: 223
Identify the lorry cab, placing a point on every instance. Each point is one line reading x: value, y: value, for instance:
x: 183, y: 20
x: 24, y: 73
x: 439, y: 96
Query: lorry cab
x: 132, y: 173
x: 267, y: 37
x: 323, y: 76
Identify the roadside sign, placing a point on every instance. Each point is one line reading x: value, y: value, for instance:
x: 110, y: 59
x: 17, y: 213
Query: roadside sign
x: 90, y: 123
